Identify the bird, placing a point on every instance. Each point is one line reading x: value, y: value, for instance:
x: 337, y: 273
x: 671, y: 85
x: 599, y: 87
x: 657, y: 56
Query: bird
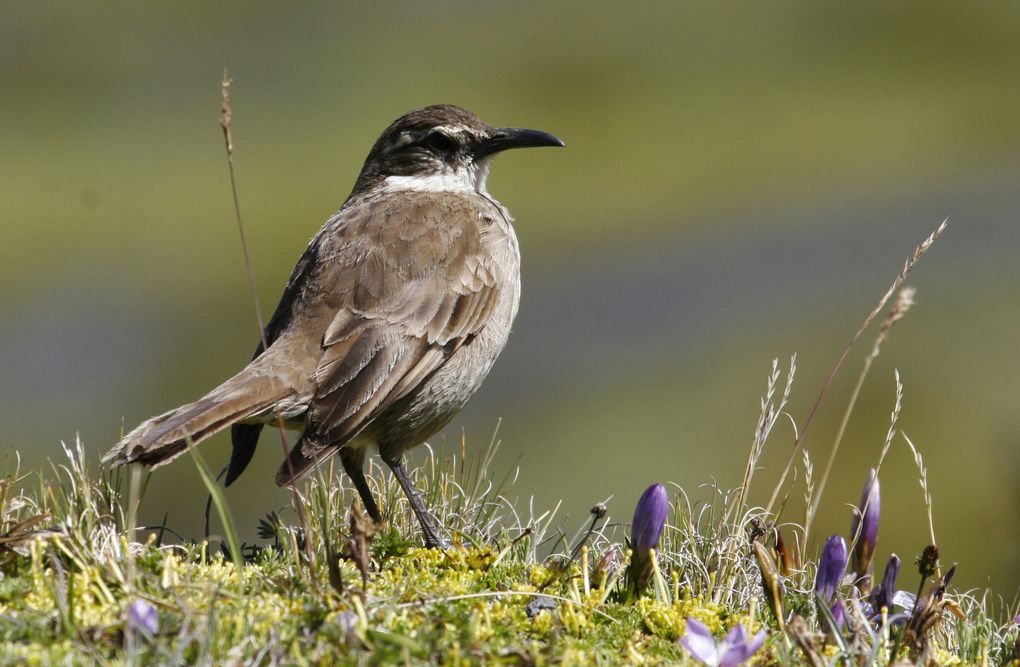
x: 391, y: 319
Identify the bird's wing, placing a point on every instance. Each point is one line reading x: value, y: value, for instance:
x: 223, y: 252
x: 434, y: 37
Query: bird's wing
x: 245, y: 437
x: 410, y: 283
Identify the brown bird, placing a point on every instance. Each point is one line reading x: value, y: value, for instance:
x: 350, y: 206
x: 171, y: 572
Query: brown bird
x: 391, y: 319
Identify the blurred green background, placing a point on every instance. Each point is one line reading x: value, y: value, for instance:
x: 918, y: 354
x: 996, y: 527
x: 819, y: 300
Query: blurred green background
x: 742, y: 182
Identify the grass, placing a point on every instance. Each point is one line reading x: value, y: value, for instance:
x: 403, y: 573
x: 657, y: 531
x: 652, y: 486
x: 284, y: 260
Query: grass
x: 349, y: 592
x: 83, y: 584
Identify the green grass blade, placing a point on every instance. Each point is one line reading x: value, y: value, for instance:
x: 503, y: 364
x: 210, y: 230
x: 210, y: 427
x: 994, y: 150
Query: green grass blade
x: 226, y: 518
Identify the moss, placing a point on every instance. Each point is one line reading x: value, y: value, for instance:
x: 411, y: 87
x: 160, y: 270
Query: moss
x: 460, y: 604
x: 65, y: 591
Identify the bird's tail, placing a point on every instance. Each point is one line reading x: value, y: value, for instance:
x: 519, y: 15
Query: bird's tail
x: 159, y: 440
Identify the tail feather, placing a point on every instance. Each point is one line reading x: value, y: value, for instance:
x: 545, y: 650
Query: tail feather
x: 304, y: 457
x: 159, y: 440
x: 245, y: 438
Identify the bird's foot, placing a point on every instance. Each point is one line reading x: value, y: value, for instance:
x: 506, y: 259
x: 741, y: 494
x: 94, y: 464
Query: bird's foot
x: 434, y: 539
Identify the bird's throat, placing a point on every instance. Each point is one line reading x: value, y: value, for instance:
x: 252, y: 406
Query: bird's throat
x: 469, y: 178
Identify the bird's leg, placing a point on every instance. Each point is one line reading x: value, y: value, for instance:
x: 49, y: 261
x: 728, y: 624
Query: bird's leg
x: 353, y: 461
x: 433, y: 539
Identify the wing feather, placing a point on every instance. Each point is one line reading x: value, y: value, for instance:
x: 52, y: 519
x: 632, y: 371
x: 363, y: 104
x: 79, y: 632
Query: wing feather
x: 412, y: 283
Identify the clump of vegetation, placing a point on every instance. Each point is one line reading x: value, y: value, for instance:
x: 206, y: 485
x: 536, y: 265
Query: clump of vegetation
x: 716, y: 581
x: 81, y: 585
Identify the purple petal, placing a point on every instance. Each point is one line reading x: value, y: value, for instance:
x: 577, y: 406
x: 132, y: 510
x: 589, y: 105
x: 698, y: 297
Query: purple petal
x: 649, y: 518
x: 831, y: 567
x: 736, y: 649
x: 609, y: 563
x: 883, y: 594
x: 737, y: 636
x: 839, y: 614
x: 699, y: 642
x: 864, y: 547
x: 904, y: 599
x: 948, y: 576
x: 142, y: 616
x: 733, y: 649
x: 1016, y: 619
x: 756, y: 643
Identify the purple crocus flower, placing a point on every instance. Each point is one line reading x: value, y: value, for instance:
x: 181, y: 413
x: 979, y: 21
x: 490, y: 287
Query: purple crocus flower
x: 864, y: 528
x: 882, y: 595
x: 645, y: 531
x: 733, y: 650
x: 831, y: 568
x: 886, y: 596
x: 143, y: 617
x: 649, y: 519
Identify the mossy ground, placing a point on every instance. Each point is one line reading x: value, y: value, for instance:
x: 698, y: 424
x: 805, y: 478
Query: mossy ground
x: 464, y: 605
x: 327, y: 586
x: 71, y: 570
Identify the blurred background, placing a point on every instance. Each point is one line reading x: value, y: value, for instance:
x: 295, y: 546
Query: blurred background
x: 742, y: 182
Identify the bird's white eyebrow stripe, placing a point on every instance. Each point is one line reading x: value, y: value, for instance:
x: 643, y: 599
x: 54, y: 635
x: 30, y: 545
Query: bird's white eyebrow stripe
x: 406, y: 137
x: 453, y: 130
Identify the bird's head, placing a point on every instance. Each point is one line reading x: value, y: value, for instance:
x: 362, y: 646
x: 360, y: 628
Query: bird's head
x: 441, y: 148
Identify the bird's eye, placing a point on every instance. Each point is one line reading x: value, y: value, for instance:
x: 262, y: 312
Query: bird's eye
x: 439, y: 142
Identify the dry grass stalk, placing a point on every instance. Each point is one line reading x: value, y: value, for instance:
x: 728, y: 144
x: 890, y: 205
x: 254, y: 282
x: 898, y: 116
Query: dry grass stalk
x: 226, y: 113
x: 903, y: 303
x: 924, y: 487
x: 915, y: 257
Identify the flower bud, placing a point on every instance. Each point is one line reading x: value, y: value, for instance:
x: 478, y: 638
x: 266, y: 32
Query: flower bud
x: 831, y: 568
x: 771, y: 582
x: 838, y: 610
x: 645, y: 531
x: 864, y: 528
x: 649, y: 519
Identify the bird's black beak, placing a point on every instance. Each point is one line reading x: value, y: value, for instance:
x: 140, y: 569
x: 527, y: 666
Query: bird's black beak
x: 514, y: 137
